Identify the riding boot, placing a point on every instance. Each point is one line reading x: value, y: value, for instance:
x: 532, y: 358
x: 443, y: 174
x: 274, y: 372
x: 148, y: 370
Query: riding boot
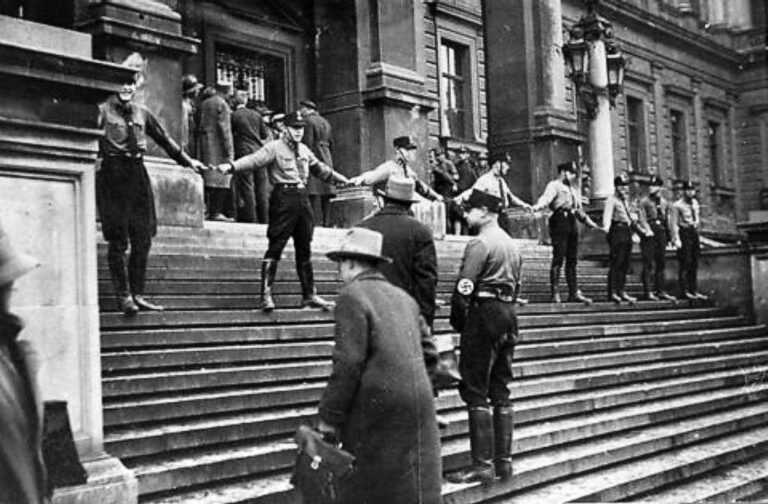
x: 118, y: 270
x: 268, y: 271
x: 554, y: 279
x: 309, y: 297
x: 503, y: 424
x: 574, y: 294
x: 481, y: 443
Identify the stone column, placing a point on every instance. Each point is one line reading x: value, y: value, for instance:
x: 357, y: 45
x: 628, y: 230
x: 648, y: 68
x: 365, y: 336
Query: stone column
x: 49, y: 90
x: 600, y: 134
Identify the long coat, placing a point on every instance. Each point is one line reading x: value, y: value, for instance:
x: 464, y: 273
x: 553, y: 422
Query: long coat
x: 215, y: 139
x: 380, y: 396
x: 411, y: 246
x: 318, y: 137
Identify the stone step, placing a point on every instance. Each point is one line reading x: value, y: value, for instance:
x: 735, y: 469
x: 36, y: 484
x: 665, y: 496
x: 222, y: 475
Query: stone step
x: 731, y: 482
x: 604, y: 313
x: 165, y: 406
x: 625, y: 481
x: 214, y: 356
x: 531, y: 468
x: 169, y: 338
x: 133, y: 441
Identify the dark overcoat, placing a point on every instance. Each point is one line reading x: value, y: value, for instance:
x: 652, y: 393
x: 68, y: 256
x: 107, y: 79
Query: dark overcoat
x: 216, y: 145
x: 410, y: 245
x: 318, y: 137
x: 380, y: 397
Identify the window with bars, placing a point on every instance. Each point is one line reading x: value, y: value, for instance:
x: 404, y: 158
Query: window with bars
x: 636, y: 142
x: 455, y: 90
x: 262, y: 76
x: 679, y: 144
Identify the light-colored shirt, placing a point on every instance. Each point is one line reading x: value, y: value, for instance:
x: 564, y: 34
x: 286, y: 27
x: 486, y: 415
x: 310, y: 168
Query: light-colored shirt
x: 495, y: 185
x: 558, y: 196
x: 617, y: 209
x: 684, y: 214
x: 284, y: 164
x: 653, y: 210
x: 378, y: 177
x: 492, y: 259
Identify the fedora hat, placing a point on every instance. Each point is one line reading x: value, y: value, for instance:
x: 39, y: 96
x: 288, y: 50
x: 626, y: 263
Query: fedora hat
x: 13, y: 264
x: 360, y: 243
x: 399, y: 188
x: 479, y: 199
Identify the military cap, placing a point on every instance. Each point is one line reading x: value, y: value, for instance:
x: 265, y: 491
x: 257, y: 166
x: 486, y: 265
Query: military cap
x: 295, y: 120
x: 308, y: 104
x: 621, y: 180
x: 570, y: 166
x: 404, y: 142
x: 687, y: 185
x: 656, y: 181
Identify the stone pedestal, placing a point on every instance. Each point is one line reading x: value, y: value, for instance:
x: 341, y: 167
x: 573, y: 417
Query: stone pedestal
x: 351, y: 205
x: 48, y: 142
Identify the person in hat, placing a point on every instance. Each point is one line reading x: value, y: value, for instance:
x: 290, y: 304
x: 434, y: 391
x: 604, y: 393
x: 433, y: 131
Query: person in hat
x: 466, y: 170
x: 409, y: 243
x: 378, y: 401
x: 217, y: 146
x: 483, y: 311
x: 123, y: 189
x: 445, y: 180
x: 620, y: 221
x: 277, y: 123
x: 289, y: 163
x: 564, y: 201
x: 654, y: 216
x: 684, y: 222
x: 482, y: 164
x: 22, y: 472
x: 493, y: 182
x: 190, y: 90
x: 405, y: 155
x: 249, y: 133
x: 318, y: 136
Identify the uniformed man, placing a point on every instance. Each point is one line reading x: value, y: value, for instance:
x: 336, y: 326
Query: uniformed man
x: 620, y: 221
x: 483, y: 310
x: 654, y: 215
x: 290, y: 163
x: 493, y: 183
x: 124, y: 192
x: 685, y: 220
x: 564, y: 202
x: 405, y: 155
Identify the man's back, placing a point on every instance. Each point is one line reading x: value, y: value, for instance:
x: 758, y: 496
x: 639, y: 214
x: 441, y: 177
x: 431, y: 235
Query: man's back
x: 249, y: 132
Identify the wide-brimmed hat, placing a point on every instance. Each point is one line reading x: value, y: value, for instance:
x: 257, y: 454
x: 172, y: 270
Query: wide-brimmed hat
x: 399, y: 188
x: 479, y: 199
x: 360, y: 243
x: 13, y: 264
x: 404, y: 142
x: 189, y: 84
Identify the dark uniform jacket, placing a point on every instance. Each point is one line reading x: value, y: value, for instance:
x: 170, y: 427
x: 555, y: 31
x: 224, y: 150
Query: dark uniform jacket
x: 380, y: 396
x: 22, y: 473
x: 318, y: 137
x: 410, y: 245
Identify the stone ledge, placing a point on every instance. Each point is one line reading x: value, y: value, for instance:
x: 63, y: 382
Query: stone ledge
x: 109, y: 482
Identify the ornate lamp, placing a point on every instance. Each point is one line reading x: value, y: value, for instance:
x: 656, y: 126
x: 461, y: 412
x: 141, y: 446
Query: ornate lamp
x: 576, y: 55
x: 616, y: 64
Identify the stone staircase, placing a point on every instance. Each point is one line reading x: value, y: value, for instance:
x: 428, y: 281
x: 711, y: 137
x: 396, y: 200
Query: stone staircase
x: 655, y: 401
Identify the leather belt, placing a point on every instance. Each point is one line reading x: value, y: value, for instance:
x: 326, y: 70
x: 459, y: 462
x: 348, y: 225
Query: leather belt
x: 289, y: 186
x: 565, y: 211
x: 125, y: 155
x: 499, y: 294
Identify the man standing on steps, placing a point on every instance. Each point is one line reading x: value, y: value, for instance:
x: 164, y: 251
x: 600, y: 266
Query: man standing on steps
x: 654, y: 215
x: 124, y: 192
x: 685, y: 220
x: 565, y: 204
x: 483, y: 310
x: 319, y: 138
x: 290, y: 163
x: 620, y: 220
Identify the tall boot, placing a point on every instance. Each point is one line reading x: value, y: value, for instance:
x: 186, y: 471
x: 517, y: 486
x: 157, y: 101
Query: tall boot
x: 481, y: 444
x: 118, y: 270
x: 554, y: 279
x: 268, y: 272
x: 503, y: 424
x: 309, y: 297
x: 574, y: 294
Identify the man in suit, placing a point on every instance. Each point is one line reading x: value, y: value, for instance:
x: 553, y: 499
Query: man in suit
x: 216, y: 147
x: 249, y: 134
x: 318, y: 137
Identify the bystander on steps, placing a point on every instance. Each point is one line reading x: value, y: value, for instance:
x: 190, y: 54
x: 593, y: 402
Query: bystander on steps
x: 202, y: 399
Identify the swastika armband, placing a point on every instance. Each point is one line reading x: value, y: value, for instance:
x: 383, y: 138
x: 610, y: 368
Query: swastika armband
x: 465, y: 286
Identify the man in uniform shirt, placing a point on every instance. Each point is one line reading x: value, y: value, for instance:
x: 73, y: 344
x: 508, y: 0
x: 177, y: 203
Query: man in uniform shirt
x: 565, y: 204
x: 685, y: 220
x: 483, y: 310
x: 124, y: 192
x: 493, y: 183
x: 654, y: 212
x: 290, y: 163
x: 620, y: 221
x: 405, y: 155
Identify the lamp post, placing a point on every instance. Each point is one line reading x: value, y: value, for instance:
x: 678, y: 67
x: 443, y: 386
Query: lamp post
x: 596, y: 67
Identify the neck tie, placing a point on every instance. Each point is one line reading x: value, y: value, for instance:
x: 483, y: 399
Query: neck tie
x: 127, y: 112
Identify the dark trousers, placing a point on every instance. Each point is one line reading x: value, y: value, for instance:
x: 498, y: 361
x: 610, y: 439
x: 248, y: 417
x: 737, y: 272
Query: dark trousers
x: 127, y: 210
x: 245, y: 196
x: 688, y: 256
x: 652, y: 250
x: 487, y: 344
x: 262, y: 188
x: 219, y: 201
x: 321, y: 205
x: 504, y: 221
x: 620, y: 251
x: 290, y: 216
x: 564, y: 232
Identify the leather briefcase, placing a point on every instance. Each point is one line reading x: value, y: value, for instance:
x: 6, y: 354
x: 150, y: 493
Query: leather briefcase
x: 320, y: 467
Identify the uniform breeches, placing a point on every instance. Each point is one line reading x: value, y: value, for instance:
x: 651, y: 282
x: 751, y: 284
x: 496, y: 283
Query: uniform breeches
x: 653, y: 249
x: 564, y: 232
x: 620, y: 251
x: 290, y: 216
x: 487, y: 345
x: 688, y: 256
